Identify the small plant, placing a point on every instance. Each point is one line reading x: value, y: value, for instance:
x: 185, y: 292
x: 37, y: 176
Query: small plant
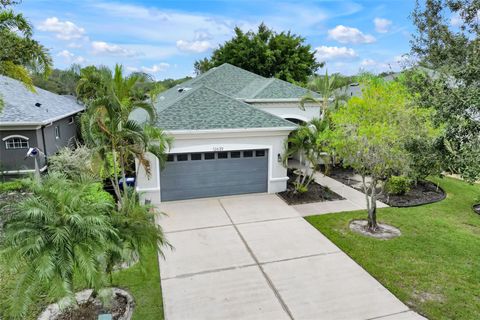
x: 398, y: 185
x: 300, y: 187
x: 9, y: 186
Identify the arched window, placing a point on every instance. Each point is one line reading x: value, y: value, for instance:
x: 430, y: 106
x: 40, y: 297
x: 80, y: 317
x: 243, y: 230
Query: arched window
x: 16, y: 142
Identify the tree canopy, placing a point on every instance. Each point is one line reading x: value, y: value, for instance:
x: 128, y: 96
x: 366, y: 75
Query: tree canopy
x: 20, y: 55
x: 371, y: 134
x: 267, y: 53
x: 453, y: 88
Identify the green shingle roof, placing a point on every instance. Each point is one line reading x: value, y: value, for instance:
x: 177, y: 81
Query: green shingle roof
x: 204, y: 108
x: 279, y: 89
x: 214, y: 100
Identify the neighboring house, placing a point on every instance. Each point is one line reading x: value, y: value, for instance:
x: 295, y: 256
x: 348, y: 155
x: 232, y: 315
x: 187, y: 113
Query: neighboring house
x: 39, y: 119
x: 230, y: 127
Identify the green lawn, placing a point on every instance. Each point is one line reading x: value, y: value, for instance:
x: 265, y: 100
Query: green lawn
x: 434, y: 267
x: 144, y: 285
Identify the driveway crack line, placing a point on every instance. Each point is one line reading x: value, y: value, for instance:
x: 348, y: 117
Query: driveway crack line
x: 269, y: 281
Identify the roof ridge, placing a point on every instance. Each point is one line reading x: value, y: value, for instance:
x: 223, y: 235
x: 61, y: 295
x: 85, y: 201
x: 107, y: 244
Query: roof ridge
x: 266, y: 84
x: 246, y: 104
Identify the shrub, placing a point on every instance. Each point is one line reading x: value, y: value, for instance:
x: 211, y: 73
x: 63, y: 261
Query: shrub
x: 14, y: 185
x: 398, y: 185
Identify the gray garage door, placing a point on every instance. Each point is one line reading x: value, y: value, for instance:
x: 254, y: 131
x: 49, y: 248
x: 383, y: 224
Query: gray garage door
x: 210, y: 174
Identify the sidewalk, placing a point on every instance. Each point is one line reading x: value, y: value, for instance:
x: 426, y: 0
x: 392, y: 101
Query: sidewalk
x: 354, y: 199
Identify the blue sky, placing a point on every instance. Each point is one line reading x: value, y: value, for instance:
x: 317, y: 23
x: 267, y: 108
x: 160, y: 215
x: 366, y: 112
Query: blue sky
x: 165, y: 37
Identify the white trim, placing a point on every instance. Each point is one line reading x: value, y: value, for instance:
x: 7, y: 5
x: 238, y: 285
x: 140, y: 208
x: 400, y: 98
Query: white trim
x: 279, y: 179
x: 229, y: 130
x: 40, y: 123
x: 15, y: 136
x: 275, y: 100
x: 22, y: 171
x: 147, y: 189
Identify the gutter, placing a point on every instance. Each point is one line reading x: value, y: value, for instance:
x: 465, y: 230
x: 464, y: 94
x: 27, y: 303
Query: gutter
x: 230, y: 130
x: 41, y: 123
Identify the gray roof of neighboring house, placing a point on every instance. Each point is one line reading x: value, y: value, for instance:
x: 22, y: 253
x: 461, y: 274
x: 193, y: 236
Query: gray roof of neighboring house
x: 20, y: 104
x: 204, y: 108
x: 238, y: 83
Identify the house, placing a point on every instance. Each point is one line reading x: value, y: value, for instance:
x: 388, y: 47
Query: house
x: 28, y: 119
x: 229, y: 128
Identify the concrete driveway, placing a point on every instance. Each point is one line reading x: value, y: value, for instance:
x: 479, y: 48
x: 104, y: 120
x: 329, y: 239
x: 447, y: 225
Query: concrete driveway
x: 254, y: 257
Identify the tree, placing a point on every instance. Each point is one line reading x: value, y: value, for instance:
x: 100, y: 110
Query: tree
x: 326, y: 86
x: 61, y: 232
x: 267, y: 53
x: 370, y: 133
x: 107, y: 126
x: 452, y: 88
x: 309, y: 141
x: 20, y: 54
x: 62, y: 82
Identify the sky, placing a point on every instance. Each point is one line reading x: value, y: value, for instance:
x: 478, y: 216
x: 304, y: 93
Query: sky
x: 164, y: 38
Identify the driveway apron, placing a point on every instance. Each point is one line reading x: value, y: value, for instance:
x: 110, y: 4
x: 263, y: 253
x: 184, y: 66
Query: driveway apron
x: 255, y: 257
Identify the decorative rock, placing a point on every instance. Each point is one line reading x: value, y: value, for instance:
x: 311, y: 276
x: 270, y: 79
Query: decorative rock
x: 53, y: 311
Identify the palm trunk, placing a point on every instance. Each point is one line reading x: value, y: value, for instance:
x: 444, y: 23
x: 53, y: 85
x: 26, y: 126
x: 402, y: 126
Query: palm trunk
x: 124, y: 176
x: 116, y: 185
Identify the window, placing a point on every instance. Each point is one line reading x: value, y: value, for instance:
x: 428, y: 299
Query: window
x: 259, y: 153
x: 16, y: 143
x: 248, y: 154
x: 235, y: 154
x: 170, y: 158
x: 70, y: 120
x: 57, y: 132
x: 209, y: 156
x: 182, y: 157
x: 196, y: 156
x: 222, y: 155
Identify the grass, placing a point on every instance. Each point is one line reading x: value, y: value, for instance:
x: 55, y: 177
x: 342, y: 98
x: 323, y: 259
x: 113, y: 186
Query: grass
x: 434, y: 267
x: 143, y: 282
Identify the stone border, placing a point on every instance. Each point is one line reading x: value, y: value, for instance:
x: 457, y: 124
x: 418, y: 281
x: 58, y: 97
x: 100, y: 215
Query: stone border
x: 54, y: 310
x: 476, y: 208
x: 386, y: 231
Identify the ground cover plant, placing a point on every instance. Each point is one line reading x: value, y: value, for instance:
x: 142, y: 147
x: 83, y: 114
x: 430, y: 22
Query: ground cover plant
x: 433, y: 267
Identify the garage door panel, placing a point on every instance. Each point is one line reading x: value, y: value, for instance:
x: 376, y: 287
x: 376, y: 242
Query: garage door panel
x: 216, y: 177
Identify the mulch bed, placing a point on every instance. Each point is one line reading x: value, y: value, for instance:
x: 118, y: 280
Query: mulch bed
x: 92, y: 308
x: 423, y: 192
x: 315, y: 193
x: 384, y: 232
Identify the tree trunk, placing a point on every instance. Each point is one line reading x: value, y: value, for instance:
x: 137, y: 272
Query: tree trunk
x: 116, y: 185
x: 372, y: 210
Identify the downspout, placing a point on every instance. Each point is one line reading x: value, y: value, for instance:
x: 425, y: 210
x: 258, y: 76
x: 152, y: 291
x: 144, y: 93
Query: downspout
x: 44, y: 145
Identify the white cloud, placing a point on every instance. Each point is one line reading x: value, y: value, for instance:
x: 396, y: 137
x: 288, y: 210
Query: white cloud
x: 101, y: 47
x: 64, y: 30
x: 196, y: 46
x: 368, y: 62
x: 332, y: 53
x: 162, y: 66
x: 70, y: 57
x: 65, y: 54
x: 382, y: 25
x: 345, y: 34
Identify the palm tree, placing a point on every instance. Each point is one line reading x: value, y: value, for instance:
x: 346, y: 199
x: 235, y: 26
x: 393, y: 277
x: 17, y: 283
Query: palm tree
x: 107, y: 125
x: 310, y: 142
x: 325, y: 86
x: 63, y: 230
x: 20, y: 54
